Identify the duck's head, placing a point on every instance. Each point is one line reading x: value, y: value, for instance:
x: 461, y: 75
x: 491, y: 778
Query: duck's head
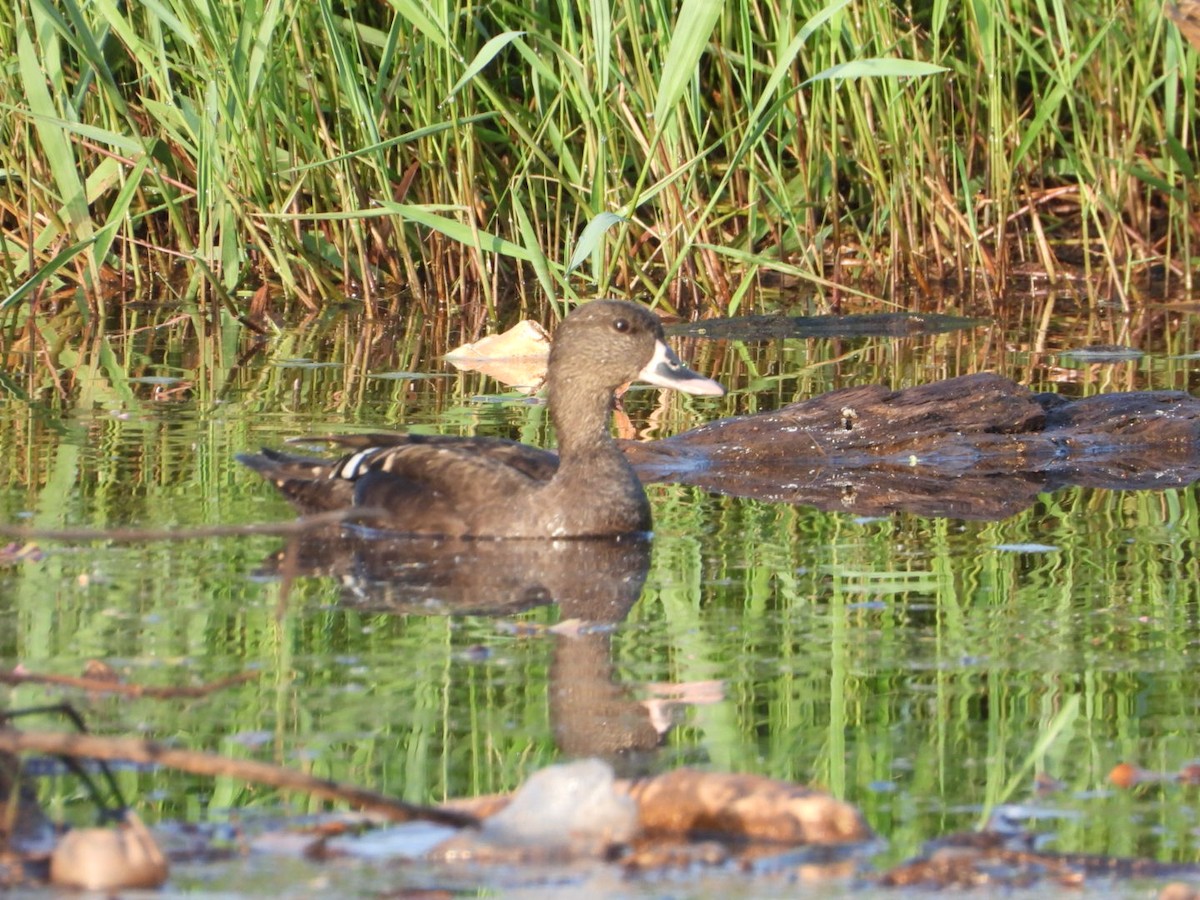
x: 606, y: 343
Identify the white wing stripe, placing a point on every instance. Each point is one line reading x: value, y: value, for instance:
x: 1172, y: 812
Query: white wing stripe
x: 350, y: 470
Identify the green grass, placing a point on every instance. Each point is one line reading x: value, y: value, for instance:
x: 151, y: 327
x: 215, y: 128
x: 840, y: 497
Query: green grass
x: 431, y: 152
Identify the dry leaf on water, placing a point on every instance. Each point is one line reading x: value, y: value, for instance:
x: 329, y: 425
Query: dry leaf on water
x: 517, y: 357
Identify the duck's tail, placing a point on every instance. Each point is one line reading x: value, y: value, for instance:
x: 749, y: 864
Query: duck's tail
x: 306, y: 482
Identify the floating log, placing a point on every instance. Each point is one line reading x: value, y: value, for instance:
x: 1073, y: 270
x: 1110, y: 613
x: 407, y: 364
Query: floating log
x: 975, y: 447
x: 774, y: 328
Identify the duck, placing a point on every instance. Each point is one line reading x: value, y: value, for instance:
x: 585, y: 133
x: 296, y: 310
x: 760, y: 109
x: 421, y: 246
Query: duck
x: 482, y: 487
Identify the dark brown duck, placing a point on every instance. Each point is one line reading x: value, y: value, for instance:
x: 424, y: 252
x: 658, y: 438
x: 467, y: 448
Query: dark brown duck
x: 487, y: 487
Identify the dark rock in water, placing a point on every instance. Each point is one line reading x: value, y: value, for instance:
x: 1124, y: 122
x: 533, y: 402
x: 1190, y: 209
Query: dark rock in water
x: 975, y: 447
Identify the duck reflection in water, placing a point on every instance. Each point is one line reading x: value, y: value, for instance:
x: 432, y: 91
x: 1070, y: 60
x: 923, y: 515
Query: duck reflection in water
x: 484, y: 519
x: 595, y: 581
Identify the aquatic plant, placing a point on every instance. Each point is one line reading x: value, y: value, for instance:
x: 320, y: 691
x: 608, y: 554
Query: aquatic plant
x: 440, y: 152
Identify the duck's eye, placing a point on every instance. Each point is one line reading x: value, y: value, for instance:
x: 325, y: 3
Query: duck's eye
x: 621, y: 325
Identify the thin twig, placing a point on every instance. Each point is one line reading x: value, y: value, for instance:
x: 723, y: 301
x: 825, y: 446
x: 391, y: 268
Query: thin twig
x: 100, y: 685
x: 199, y: 763
x: 134, y: 535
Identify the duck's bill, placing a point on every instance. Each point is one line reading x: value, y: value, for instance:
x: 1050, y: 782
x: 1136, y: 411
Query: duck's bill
x: 666, y: 370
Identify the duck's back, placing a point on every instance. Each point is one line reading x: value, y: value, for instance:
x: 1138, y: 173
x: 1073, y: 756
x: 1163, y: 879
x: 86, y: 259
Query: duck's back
x: 437, y: 485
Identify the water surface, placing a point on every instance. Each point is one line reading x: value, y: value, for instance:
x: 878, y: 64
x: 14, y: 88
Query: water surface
x: 924, y: 669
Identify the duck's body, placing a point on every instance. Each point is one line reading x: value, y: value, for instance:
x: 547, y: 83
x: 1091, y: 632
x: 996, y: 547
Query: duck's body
x: 486, y: 487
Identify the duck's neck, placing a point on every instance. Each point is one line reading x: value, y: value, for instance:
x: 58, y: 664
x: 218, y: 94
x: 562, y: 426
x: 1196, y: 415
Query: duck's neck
x: 595, y: 485
x: 581, y: 420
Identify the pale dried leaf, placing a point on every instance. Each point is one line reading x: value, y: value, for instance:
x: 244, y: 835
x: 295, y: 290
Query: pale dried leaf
x: 525, y: 339
x: 516, y: 358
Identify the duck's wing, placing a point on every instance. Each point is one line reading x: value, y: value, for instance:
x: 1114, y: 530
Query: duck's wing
x: 426, y: 484
x: 376, y: 449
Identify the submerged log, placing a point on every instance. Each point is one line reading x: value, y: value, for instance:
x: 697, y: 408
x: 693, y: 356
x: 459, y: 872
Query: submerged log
x: 979, y: 447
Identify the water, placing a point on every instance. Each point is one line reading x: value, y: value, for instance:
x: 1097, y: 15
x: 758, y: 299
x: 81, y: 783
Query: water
x: 924, y: 669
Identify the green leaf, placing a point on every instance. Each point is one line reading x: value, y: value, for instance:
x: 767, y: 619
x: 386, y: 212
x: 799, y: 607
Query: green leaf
x: 783, y: 68
x: 60, y: 153
x: 541, y: 265
x: 113, y: 139
x: 460, y: 231
x: 408, y: 137
x: 1156, y: 181
x: 60, y: 259
x: 119, y: 210
x: 262, y: 47
x: 422, y: 215
x: 601, y: 19
x: 697, y: 18
x: 591, y: 237
x: 1181, y: 157
x: 422, y: 21
x: 485, y: 55
x: 885, y: 67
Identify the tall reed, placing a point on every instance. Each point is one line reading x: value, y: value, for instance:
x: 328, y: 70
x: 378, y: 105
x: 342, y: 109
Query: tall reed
x: 455, y: 154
